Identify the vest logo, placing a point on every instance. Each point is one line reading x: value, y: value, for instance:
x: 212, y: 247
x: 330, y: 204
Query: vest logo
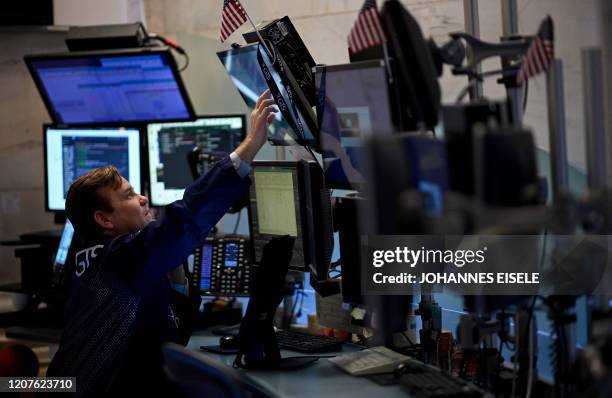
x: 173, y: 317
x: 84, y: 257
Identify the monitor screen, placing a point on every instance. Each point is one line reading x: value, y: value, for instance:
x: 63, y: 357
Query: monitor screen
x: 64, y: 245
x: 117, y: 87
x: 207, y: 264
x: 356, y: 105
x: 274, y: 208
x: 244, y: 70
x: 170, y: 143
x: 69, y: 153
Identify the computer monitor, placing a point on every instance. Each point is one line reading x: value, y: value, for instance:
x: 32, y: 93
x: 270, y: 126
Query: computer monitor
x: 395, y: 165
x: 111, y: 87
x: 71, y: 152
x: 346, y: 217
x: 416, y: 73
x: 290, y: 198
x: 357, y: 104
x: 170, y: 143
x: 275, y: 207
x: 246, y: 73
x: 65, y: 241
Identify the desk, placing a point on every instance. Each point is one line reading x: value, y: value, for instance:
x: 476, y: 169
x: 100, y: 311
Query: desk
x: 320, y: 379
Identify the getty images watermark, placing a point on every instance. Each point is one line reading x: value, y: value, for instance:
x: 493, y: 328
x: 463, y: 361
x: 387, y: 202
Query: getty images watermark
x: 487, y: 264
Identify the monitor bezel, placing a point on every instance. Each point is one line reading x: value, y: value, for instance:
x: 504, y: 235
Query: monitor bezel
x: 299, y: 172
x: 29, y: 59
x: 48, y: 126
x: 359, y: 65
x: 208, y: 116
x: 300, y: 102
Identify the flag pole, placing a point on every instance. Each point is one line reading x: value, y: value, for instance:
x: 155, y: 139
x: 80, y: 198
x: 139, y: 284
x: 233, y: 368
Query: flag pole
x: 261, y: 39
x: 386, y: 55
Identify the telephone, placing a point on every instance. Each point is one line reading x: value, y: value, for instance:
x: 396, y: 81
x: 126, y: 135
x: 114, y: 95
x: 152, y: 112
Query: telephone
x: 221, y: 266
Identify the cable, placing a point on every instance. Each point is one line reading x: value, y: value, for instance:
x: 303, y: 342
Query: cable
x: 542, y: 255
x: 525, y: 95
x: 186, y: 62
x: 172, y: 44
x: 530, y: 348
x: 299, y: 293
x: 529, y: 323
x: 529, y: 334
x: 307, y: 147
x: 478, y: 79
x: 408, y: 339
x: 237, y: 223
x: 301, y: 307
x: 516, y: 351
x: 531, y: 359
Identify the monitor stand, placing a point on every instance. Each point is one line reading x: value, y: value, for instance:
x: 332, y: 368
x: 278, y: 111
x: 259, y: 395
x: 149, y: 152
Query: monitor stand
x: 258, y: 347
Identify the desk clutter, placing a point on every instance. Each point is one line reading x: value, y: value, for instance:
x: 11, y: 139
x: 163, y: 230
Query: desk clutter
x: 389, y: 367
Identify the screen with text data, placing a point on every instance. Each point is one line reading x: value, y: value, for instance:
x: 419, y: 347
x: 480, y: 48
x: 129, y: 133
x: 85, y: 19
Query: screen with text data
x: 274, y: 208
x: 70, y: 153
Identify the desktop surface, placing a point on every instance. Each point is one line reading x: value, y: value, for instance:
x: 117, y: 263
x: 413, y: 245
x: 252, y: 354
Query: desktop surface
x: 321, y: 379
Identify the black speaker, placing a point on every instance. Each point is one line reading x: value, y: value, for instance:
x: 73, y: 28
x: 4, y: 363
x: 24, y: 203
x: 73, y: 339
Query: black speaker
x: 287, y: 41
x: 106, y: 37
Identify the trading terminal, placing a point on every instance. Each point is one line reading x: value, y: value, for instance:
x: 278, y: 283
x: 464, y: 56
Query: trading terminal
x: 374, y: 182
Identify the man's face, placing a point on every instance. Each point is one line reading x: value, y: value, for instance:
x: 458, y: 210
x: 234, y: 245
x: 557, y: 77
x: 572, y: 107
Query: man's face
x: 130, y: 211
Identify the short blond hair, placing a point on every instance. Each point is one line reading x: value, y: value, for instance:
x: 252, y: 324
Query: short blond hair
x: 84, y: 198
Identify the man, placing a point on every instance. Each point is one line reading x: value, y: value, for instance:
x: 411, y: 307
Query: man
x: 124, y: 304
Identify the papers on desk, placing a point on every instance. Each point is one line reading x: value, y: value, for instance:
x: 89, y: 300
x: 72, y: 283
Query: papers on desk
x: 369, y: 361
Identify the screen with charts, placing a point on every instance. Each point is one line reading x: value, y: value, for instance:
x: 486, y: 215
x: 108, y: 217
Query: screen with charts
x: 275, y: 187
x: 70, y: 153
x: 111, y: 87
x: 274, y: 208
x: 170, y: 143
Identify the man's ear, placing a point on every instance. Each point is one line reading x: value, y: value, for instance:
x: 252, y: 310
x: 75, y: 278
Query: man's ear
x: 103, y: 220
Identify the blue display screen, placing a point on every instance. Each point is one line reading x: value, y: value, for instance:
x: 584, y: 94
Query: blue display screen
x: 244, y: 70
x: 112, y: 89
x: 72, y: 152
x: 206, y: 267
x: 356, y: 107
x: 231, y: 254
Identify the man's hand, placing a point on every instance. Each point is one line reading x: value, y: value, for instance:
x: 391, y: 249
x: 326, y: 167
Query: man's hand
x: 261, y: 117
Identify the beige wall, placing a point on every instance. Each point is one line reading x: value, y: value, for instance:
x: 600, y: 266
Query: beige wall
x: 22, y: 114
x: 324, y: 25
x: 96, y: 12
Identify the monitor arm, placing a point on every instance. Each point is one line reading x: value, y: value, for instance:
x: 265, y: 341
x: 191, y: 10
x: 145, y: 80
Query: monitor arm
x: 481, y: 50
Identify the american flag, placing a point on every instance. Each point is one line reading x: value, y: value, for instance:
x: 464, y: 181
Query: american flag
x: 232, y: 16
x: 367, y: 31
x: 540, y: 52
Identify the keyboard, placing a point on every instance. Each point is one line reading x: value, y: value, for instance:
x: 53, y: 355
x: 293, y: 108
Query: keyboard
x: 425, y: 381
x: 306, y: 342
x: 375, y: 360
